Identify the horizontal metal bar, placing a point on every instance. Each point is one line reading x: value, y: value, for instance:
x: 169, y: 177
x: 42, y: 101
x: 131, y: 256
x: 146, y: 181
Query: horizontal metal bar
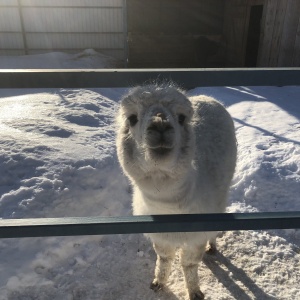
x: 65, y: 32
x: 186, y: 78
x: 18, y: 228
x: 71, y: 50
x: 57, y: 7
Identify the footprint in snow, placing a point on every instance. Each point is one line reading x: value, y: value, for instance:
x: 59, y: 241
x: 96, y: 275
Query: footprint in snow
x: 83, y: 120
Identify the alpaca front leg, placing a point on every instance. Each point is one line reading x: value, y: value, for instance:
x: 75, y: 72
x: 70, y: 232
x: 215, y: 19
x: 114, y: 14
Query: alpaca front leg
x: 211, y: 246
x: 165, y: 256
x: 190, y: 257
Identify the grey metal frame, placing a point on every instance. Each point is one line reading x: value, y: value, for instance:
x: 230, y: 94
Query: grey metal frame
x: 17, y: 228
x: 188, y: 78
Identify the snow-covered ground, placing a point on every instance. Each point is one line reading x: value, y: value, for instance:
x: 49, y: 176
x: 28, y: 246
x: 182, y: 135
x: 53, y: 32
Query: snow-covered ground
x: 87, y: 59
x: 58, y: 158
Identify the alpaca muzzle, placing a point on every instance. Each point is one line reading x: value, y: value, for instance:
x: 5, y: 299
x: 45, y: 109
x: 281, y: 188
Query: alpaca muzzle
x: 160, y: 132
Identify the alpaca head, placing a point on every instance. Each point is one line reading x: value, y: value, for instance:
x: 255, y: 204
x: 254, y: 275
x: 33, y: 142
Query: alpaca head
x: 155, y: 131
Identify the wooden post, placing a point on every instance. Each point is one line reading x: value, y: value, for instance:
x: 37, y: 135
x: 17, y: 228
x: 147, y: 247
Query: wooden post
x: 267, y: 25
x: 277, y: 33
x: 125, y: 32
x: 296, y: 55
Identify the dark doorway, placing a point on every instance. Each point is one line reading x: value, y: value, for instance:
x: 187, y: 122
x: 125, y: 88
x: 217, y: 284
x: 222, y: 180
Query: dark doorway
x: 253, y: 35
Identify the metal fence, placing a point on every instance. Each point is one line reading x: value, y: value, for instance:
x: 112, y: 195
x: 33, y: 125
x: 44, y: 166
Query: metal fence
x: 188, y: 78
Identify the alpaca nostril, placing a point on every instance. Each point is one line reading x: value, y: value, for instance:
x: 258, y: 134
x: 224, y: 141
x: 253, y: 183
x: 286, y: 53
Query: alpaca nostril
x: 159, y: 118
x: 161, y: 115
x: 159, y: 123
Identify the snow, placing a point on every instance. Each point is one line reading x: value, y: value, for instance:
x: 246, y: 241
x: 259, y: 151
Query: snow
x: 87, y: 59
x: 58, y: 159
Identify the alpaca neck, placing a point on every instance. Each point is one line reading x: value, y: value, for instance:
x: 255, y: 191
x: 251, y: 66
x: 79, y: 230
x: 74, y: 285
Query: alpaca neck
x: 167, y: 187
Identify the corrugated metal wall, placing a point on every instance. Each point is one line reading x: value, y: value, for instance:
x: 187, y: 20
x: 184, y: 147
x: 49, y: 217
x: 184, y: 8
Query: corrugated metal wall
x: 38, y: 26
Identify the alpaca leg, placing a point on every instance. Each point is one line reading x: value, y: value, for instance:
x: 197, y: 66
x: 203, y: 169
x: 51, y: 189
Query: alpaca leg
x: 190, y: 257
x: 165, y: 256
x: 211, y: 246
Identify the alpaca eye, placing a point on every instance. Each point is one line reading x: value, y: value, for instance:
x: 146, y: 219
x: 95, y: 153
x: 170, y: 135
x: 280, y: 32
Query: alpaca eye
x: 181, y: 119
x: 133, y: 120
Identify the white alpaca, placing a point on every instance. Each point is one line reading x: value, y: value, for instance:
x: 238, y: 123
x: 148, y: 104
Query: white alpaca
x: 180, y: 156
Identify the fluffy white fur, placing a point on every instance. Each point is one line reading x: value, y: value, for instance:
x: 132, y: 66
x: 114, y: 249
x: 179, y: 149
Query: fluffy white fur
x: 180, y: 156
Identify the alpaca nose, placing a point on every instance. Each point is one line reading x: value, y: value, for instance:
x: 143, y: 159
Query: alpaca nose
x: 159, y: 123
x: 161, y: 116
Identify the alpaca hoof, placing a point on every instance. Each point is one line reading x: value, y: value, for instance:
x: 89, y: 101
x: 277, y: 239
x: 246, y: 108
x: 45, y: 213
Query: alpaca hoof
x: 197, y: 296
x: 211, y: 249
x: 155, y: 286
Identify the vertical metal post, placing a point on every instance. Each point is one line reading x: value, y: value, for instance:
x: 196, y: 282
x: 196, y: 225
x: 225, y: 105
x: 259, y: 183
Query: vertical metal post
x: 22, y: 27
x: 125, y: 33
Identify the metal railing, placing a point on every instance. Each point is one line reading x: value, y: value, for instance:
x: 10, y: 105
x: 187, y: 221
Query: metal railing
x: 16, y: 228
x: 187, y: 78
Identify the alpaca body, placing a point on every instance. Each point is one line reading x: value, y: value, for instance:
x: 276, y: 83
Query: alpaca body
x: 180, y: 156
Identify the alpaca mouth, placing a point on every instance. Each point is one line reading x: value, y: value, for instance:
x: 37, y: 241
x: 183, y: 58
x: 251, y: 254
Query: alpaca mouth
x: 161, y: 151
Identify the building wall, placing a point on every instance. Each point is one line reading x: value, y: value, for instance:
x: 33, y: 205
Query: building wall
x: 235, y: 30
x: 161, y: 33
x: 173, y: 33
x: 280, y: 37
x: 279, y: 43
x: 37, y: 26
